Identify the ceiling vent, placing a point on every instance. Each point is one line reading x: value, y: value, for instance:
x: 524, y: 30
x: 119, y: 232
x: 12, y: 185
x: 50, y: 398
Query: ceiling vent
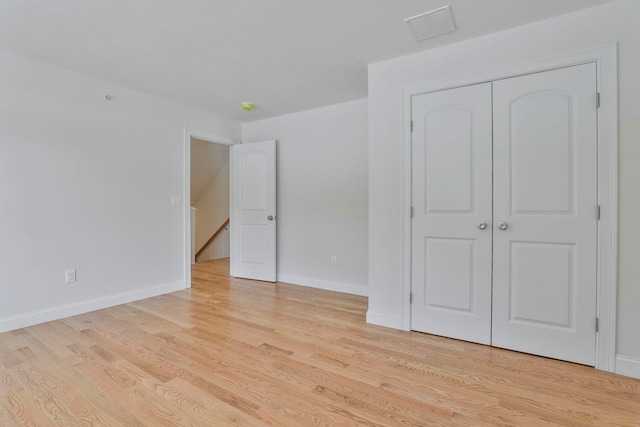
x: 431, y: 24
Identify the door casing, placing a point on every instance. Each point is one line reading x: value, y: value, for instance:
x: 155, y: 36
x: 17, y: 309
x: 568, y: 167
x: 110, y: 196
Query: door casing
x: 605, y: 58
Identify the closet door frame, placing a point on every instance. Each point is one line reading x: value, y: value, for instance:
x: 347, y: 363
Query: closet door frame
x: 605, y: 58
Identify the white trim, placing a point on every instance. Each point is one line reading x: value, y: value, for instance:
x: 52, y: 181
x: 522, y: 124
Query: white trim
x: 186, y: 197
x: 324, y: 284
x: 608, y: 199
x: 605, y: 58
x: 67, y: 310
x: 628, y: 366
x: 385, y: 320
x: 232, y: 202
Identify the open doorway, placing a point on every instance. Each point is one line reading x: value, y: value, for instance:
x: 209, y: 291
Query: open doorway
x: 209, y: 197
x: 250, y: 188
x: 201, y: 168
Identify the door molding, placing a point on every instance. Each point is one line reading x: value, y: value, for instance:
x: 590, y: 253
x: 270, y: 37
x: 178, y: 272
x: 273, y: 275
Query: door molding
x: 605, y: 58
x: 186, y: 198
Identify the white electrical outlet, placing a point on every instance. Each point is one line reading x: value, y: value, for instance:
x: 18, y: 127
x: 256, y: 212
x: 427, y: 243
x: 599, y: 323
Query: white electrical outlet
x: 176, y: 201
x: 70, y: 276
x: 334, y: 260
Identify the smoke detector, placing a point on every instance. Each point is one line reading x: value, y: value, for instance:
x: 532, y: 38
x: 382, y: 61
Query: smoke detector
x: 431, y: 24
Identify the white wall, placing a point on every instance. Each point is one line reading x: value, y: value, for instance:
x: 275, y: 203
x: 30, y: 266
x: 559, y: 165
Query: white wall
x: 616, y: 21
x: 322, y: 194
x: 87, y: 184
x: 212, y: 207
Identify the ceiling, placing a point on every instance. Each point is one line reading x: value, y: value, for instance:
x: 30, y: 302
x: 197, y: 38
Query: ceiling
x: 283, y: 55
x: 207, y: 160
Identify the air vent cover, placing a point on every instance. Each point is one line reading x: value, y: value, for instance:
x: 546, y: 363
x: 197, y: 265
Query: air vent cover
x: 431, y: 24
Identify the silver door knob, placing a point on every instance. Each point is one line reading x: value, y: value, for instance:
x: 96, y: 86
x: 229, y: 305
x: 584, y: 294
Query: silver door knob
x: 503, y: 225
x: 482, y: 225
x: 270, y: 217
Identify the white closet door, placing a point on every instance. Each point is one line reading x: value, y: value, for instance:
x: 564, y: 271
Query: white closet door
x: 545, y: 194
x: 451, y: 197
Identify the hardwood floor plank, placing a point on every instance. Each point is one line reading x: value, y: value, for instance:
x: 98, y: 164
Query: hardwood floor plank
x: 20, y: 404
x: 209, y: 407
x: 9, y: 357
x: 6, y: 419
x: 56, y: 399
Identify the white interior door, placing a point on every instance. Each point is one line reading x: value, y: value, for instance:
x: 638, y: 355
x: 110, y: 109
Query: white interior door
x: 253, y: 210
x: 545, y: 196
x: 451, y: 224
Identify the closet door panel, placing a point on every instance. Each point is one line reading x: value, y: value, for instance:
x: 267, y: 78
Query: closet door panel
x: 451, y: 196
x: 534, y: 145
x: 545, y: 198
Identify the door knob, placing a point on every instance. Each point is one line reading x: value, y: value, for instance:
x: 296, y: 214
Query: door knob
x: 270, y: 217
x: 482, y: 225
x: 503, y: 225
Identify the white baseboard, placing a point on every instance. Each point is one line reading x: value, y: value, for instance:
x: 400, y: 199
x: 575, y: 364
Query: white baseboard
x: 324, y: 284
x: 384, y: 320
x: 628, y: 366
x: 81, y: 307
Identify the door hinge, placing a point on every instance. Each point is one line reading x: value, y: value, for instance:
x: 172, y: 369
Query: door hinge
x: 411, y: 214
x: 597, y: 324
x: 411, y: 125
x: 411, y: 298
x: 598, y: 212
x: 597, y: 99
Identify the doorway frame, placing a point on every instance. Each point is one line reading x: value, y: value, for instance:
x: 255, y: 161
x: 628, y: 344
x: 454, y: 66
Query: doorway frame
x: 605, y: 58
x: 186, y: 179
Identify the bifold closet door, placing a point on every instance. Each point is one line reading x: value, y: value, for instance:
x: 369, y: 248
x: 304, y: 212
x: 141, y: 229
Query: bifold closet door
x: 545, y: 225
x: 451, y: 223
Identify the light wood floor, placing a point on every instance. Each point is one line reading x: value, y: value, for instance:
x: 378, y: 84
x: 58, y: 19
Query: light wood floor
x: 232, y: 352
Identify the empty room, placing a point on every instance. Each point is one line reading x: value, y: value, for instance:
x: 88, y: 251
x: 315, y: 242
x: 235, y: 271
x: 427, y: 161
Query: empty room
x: 332, y: 213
